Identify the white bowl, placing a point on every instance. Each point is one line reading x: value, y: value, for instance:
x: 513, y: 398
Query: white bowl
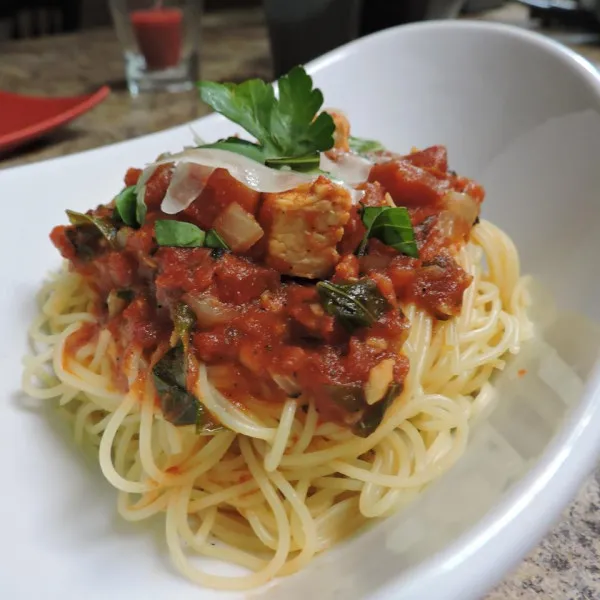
x: 519, y: 113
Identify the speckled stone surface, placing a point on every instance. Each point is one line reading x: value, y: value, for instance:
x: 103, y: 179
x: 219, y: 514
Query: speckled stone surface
x: 566, y: 565
x: 234, y: 47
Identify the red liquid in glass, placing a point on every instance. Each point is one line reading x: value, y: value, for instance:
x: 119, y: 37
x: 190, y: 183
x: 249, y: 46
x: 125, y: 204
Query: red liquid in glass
x: 159, y: 36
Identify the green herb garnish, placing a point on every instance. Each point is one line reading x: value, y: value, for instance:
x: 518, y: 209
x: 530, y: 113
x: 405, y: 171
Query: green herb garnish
x: 103, y: 226
x: 373, y: 415
x: 354, y: 305
x: 184, y: 320
x: 214, y: 240
x: 239, y: 146
x: 285, y: 127
x: 140, y: 202
x: 307, y: 163
x: 179, y: 234
x: 126, y: 205
x: 392, y: 226
x: 126, y: 295
x: 362, y: 146
x: 178, y: 406
x: 351, y: 398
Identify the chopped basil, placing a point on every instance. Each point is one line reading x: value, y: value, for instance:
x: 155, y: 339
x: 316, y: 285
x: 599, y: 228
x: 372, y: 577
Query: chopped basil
x: 179, y: 234
x: 104, y: 226
x: 354, y: 305
x: 140, y: 203
x: 178, y: 406
x: 88, y: 231
x: 392, y: 226
x: 349, y: 397
x: 184, y: 320
x: 126, y: 205
x: 309, y: 162
x: 127, y: 295
x: 362, y: 146
x: 373, y: 415
x: 239, y: 146
x: 187, y: 235
x: 214, y: 240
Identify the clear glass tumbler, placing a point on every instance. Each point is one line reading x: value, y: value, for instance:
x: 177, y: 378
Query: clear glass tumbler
x: 160, y: 40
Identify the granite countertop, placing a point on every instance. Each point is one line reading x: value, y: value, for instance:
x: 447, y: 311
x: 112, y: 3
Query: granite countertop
x: 565, y: 566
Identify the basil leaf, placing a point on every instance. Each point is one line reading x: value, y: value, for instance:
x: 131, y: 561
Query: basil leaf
x: 373, y: 415
x: 184, y: 320
x: 127, y: 295
x: 287, y: 126
x: 363, y: 146
x: 178, y: 406
x: 178, y: 233
x: 310, y: 162
x: 354, y: 305
x: 126, y: 205
x: 214, y: 240
x: 239, y: 146
x: 349, y: 397
x: 103, y: 226
x: 392, y: 226
x: 140, y: 205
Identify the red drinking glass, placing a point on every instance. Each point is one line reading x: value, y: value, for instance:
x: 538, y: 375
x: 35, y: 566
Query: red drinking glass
x: 160, y: 40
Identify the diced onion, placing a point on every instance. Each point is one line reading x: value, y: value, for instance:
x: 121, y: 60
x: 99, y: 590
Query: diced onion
x: 209, y: 310
x: 114, y: 304
x: 462, y: 205
x: 121, y: 237
x: 238, y: 228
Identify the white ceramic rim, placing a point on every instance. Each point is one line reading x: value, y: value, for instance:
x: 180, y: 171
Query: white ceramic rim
x: 477, y: 560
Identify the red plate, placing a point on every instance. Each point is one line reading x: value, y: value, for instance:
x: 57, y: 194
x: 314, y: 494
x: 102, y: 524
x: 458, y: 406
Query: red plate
x: 24, y: 118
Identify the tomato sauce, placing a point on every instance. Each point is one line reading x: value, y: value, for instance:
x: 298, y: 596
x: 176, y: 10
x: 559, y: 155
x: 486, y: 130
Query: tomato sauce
x: 272, y: 331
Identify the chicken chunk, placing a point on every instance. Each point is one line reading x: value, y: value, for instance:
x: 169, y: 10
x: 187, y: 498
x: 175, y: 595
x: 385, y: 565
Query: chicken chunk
x: 341, y: 135
x: 304, y: 226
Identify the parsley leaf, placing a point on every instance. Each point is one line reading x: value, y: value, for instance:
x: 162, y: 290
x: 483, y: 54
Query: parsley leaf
x: 285, y: 127
x: 363, y: 146
x: 249, y: 104
x: 293, y: 125
x: 239, y: 146
x: 307, y: 163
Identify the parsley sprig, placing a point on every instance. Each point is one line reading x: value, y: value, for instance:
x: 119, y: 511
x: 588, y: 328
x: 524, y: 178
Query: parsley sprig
x: 289, y: 131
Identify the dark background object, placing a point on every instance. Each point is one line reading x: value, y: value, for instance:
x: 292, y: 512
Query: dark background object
x: 34, y: 18
x: 480, y: 5
x: 575, y: 14
x: 301, y: 31
x: 381, y: 14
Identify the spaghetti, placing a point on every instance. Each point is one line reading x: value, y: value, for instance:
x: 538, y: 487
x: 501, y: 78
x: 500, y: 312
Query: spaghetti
x: 266, y: 416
